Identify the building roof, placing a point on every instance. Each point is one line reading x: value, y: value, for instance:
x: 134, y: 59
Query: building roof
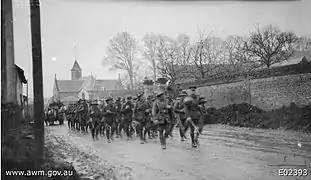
x: 20, y: 73
x: 88, y: 83
x: 76, y: 66
x: 108, y: 84
x: 70, y: 99
x: 69, y: 85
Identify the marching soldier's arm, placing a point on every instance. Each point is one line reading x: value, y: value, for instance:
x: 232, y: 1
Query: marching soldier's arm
x: 122, y: 108
x: 105, y: 111
x: 134, y: 109
x: 154, y: 109
x: 175, y: 109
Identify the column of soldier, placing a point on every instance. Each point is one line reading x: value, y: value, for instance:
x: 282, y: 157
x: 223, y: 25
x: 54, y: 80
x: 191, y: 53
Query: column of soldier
x: 152, y: 116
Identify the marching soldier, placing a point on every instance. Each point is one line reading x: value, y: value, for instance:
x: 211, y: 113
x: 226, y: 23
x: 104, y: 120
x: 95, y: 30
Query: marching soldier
x: 181, y: 118
x: 83, y: 116
x: 95, y: 117
x: 118, y: 116
x: 148, y: 115
x: 139, y: 116
x: 193, y: 114
x: 127, y: 111
x: 160, y: 113
x: 110, y: 119
x: 193, y: 94
x: 153, y: 128
x: 170, y: 100
x: 204, y: 114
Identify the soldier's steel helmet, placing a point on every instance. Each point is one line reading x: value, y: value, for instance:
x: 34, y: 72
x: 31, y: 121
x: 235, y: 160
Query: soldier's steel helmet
x: 140, y: 95
x: 192, y: 87
x: 183, y: 93
x: 159, y: 94
x: 94, y: 103
x: 109, y: 99
x: 188, y: 100
x: 202, y: 100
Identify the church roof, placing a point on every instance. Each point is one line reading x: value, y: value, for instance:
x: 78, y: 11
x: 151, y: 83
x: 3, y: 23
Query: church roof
x: 76, y: 66
x: 70, y: 98
x: 88, y: 83
x: 69, y: 85
x: 108, y: 84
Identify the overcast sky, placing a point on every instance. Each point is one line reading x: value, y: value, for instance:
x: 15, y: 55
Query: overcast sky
x: 89, y: 24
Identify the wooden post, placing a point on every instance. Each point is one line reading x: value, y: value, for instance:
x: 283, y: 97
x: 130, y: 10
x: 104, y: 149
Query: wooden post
x: 37, y: 79
x: 27, y: 105
x: 249, y: 89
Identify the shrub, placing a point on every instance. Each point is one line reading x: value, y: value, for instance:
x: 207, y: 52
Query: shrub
x: 292, y: 117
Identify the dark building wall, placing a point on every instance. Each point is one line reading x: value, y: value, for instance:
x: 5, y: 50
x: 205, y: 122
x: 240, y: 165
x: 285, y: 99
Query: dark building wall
x: 8, y: 82
x: 3, y: 57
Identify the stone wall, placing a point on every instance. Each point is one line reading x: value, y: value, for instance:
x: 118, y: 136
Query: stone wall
x: 268, y: 93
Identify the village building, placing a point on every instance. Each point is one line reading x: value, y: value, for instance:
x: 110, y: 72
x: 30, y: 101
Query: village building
x: 87, y: 87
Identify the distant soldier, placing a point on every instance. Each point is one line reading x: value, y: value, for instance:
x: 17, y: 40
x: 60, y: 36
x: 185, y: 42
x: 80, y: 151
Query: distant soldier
x: 180, y: 114
x: 139, y: 114
x: 127, y: 112
x: 95, y: 117
x: 83, y: 113
x: 109, y: 113
x: 160, y: 113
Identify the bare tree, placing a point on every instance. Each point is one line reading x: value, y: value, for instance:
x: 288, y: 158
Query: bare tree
x: 270, y: 45
x: 167, y: 55
x: 304, y: 43
x: 122, y: 51
x: 206, y: 56
x: 150, y: 52
x: 233, y: 57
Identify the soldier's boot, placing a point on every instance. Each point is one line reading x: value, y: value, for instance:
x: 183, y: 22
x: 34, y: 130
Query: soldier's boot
x: 181, y: 133
x: 149, y: 134
x: 193, y: 142
x: 93, y: 134
x: 163, y: 144
x: 171, y: 130
x: 96, y: 133
x: 108, y: 135
x: 141, y: 135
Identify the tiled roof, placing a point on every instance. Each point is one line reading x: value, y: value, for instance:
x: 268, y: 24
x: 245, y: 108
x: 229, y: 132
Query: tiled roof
x: 70, y: 98
x: 88, y: 83
x: 76, y: 66
x: 108, y: 84
x: 69, y: 85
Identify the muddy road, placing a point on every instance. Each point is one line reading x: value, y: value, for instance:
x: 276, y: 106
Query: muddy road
x: 225, y: 153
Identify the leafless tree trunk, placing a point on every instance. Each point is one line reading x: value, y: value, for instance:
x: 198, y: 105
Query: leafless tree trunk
x: 122, y: 52
x: 150, y: 43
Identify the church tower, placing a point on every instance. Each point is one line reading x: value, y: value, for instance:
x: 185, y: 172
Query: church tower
x: 76, y: 71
